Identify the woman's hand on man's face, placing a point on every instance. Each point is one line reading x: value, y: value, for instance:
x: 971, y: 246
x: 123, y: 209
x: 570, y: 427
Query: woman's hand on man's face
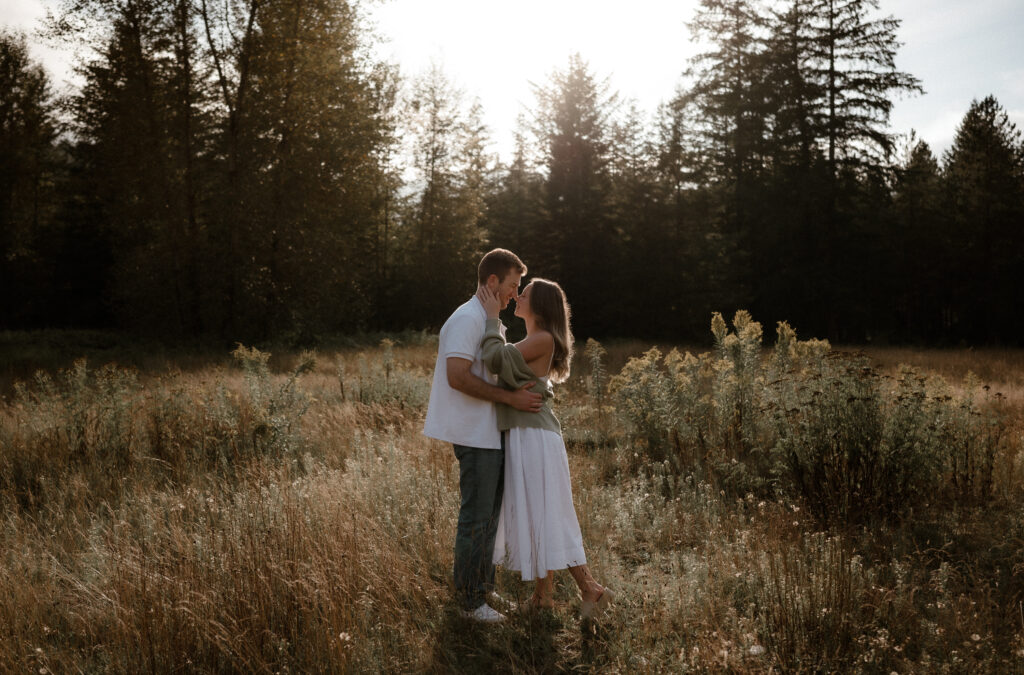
x: 489, y: 299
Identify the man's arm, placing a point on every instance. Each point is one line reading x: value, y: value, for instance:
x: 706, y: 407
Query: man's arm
x: 461, y: 379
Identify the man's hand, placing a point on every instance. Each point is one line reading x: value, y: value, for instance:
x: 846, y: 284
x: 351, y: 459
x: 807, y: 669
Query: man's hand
x: 524, y: 400
x: 461, y: 379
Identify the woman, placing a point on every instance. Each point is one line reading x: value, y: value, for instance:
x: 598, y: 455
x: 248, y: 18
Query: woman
x: 538, y: 532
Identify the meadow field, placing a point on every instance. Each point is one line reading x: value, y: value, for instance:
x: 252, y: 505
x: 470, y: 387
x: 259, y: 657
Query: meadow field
x: 766, y: 504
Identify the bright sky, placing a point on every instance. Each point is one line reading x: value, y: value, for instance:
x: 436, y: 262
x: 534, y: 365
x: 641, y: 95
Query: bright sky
x: 960, y: 49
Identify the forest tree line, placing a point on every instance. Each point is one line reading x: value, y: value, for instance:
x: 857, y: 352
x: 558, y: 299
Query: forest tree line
x: 248, y: 170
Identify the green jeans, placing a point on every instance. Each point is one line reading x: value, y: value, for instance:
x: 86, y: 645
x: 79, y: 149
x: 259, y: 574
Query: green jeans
x: 481, y: 483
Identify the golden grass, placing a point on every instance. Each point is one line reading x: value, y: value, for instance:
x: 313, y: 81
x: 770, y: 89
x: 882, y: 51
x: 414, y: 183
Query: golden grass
x: 334, y: 555
x: 1000, y: 369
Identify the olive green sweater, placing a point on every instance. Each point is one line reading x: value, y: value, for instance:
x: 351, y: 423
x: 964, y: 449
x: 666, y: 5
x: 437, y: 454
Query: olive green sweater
x: 505, y: 361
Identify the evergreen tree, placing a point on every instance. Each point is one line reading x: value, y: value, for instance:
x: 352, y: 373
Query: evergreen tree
x: 443, y: 235
x: 793, y: 90
x: 382, y: 248
x: 515, y: 214
x: 852, y: 72
x: 788, y: 249
x: 729, y: 92
x: 230, y: 30
x: 124, y: 131
x: 235, y: 151
x: 579, y: 249
x: 641, y: 221
x: 190, y: 128
x: 27, y: 163
x: 919, y: 246
x: 833, y: 76
x: 984, y: 188
x: 701, y: 252
x: 729, y: 99
x: 314, y: 177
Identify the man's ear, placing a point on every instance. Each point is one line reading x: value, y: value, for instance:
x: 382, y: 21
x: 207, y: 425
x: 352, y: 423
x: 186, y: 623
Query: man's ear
x: 493, y: 282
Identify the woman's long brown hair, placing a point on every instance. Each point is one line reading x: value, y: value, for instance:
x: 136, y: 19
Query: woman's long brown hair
x: 552, y: 312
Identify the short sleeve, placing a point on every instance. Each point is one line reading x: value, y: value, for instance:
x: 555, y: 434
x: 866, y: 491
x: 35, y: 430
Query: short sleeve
x: 461, y: 337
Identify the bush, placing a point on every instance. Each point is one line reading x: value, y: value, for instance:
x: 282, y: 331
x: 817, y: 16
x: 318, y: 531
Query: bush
x: 848, y: 449
x: 808, y: 423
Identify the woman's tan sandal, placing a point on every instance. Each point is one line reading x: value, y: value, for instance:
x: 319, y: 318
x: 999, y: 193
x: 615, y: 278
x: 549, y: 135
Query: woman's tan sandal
x: 590, y: 609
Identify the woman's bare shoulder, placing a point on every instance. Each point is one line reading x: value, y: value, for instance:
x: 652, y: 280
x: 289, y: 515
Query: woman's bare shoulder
x: 536, y: 344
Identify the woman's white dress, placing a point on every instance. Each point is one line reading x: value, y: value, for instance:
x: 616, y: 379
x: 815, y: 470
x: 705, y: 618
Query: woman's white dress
x: 537, y: 529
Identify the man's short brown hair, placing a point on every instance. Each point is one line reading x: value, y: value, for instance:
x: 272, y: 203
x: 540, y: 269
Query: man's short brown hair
x: 499, y: 262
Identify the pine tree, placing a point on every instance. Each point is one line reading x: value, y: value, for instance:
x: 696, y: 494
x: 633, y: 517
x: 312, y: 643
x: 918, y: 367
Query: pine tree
x: 919, y: 246
x: 382, y: 247
x: 702, y: 255
x: 515, y: 215
x: 230, y: 31
x: 794, y: 91
x: 314, y: 174
x: 729, y: 96
x: 857, y: 77
x: 443, y: 235
x: 235, y: 151
x: 729, y: 92
x: 189, y: 133
x: 27, y: 163
x: 984, y: 188
x: 788, y: 248
x: 833, y: 71
x: 126, y: 140
x: 572, y: 124
x: 641, y: 222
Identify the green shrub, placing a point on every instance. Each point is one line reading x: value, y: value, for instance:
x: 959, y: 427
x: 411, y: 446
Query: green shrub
x: 644, y: 399
x: 702, y: 413
x: 836, y: 446
x: 808, y: 423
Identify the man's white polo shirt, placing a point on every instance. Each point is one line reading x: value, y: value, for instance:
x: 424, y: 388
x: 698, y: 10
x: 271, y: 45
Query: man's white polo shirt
x: 452, y: 416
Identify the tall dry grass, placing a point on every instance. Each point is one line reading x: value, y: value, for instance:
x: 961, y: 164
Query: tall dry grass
x: 258, y: 515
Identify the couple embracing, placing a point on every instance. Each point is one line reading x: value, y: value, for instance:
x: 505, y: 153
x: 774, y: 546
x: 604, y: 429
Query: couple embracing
x: 492, y: 401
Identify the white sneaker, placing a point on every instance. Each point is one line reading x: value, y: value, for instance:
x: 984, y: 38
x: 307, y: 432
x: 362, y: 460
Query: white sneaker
x: 484, y: 614
x: 495, y: 599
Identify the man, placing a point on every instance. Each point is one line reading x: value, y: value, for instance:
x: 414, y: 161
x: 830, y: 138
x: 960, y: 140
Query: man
x: 461, y: 411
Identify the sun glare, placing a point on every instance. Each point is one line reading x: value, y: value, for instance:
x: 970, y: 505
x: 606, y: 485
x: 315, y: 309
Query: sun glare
x: 495, y: 50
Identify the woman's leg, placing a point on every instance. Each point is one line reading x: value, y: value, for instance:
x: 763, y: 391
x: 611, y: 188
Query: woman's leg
x: 544, y: 592
x: 590, y: 590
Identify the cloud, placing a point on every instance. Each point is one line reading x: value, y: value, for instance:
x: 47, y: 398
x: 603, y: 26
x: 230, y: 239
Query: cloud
x: 1012, y: 83
x: 931, y: 23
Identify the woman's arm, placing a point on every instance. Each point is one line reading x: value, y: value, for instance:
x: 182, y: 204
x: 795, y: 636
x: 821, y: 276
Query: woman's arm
x: 498, y: 356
